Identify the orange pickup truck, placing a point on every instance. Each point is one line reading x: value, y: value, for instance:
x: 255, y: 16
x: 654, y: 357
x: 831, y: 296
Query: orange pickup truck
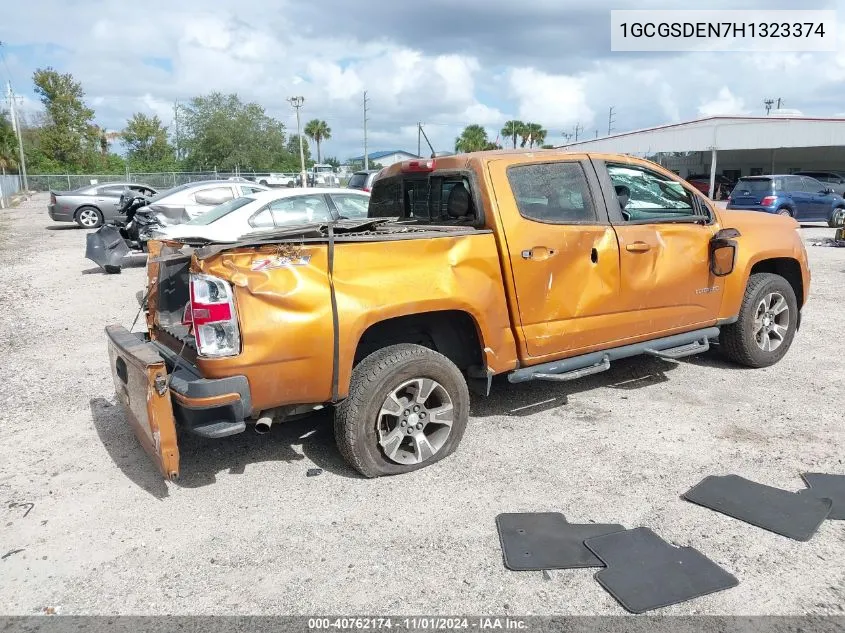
x: 539, y: 265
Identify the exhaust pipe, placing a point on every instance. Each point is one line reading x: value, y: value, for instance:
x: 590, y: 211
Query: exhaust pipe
x: 263, y: 424
x: 265, y: 420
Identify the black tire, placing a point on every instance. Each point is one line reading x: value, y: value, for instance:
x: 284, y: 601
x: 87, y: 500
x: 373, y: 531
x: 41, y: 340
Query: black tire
x: 373, y: 380
x: 85, y: 212
x: 262, y: 182
x: 291, y: 184
x: 830, y: 222
x: 737, y: 341
x: 785, y: 211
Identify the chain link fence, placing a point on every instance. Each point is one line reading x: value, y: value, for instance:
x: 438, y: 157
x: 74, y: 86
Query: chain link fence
x: 9, y: 184
x: 159, y: 180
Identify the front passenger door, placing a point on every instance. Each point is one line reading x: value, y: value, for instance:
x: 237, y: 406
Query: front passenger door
x: 664, y: 232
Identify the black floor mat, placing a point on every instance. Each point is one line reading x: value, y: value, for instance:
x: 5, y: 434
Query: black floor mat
x: 780, y: 511
x: 644, y: 572
x: 534, y: 541
x: 827, y: 487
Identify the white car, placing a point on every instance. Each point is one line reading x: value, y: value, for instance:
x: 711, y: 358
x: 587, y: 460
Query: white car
x: 278, y: 180
x: 268, y: 210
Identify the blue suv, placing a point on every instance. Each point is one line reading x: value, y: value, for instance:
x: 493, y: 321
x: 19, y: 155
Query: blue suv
x: 804, y: 198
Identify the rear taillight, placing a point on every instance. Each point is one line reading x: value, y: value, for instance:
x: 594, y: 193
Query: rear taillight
x: 367, y: 189
x: 768, y: 201
x: 212, y: 314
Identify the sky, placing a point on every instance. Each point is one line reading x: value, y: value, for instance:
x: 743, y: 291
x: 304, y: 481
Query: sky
x: 445, y: 63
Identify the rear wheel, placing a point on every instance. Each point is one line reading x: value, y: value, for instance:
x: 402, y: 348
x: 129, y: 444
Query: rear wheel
x: 767, y: 321
x: 832, y: 221
x: 89, y: 218
x: 407, y: 408
x: 785, y: 211
x: 262, y: 182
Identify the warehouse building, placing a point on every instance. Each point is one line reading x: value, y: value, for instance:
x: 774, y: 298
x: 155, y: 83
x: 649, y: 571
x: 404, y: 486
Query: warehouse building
x: 734, y: 146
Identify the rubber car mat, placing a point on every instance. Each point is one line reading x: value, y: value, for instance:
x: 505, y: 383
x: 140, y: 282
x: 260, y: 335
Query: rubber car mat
x: 534, y: 541
x: 644, y: 572
x: 779, y: 511
x: 827, y: 487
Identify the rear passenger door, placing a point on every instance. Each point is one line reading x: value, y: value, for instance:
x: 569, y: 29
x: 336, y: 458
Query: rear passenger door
x: 818, y: 202
x: 562, y: 254
x: 802, y: 200
x: 664, y: 232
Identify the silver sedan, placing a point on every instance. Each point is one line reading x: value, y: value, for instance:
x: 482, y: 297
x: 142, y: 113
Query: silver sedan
x: 93, y: 205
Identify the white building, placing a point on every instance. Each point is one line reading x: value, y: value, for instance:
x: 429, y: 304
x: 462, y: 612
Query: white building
x: 734, y: 146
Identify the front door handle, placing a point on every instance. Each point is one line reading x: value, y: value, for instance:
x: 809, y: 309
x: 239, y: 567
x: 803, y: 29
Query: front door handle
x: 538, y: 253
x: 638, y: 247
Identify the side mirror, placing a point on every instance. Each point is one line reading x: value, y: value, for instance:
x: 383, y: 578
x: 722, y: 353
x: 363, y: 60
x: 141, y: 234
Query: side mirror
x: 211, y: 199
x: 827, y: 190
x: 723, y: 252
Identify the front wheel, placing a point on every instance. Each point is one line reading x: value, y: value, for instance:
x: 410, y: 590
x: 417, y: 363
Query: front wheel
x: 407, y: 408
x: 836, y: 212
x: 766, y: 325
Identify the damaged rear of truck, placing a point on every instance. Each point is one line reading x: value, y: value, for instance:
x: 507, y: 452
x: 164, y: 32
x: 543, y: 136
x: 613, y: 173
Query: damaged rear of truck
x: 538, y: 265
x: 276, y: 327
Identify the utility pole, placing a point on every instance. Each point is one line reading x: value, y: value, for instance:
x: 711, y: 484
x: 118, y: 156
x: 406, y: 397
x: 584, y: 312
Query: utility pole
x: 16, y: 127
x: 176, y: 128
x: 768, y: 103
x: 297, y: 102
x: 610, y: 120
x: 366, y: 157
x: 578, y: 130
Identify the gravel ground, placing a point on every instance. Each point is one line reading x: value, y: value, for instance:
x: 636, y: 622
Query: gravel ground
x: 246, y: 532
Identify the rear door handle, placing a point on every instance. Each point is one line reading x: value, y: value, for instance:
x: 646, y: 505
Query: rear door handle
x: 638, y: 247
x: 538, y: 253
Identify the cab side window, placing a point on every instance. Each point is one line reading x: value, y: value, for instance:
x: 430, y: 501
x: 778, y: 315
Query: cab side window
x: 648, y: 196
x: 554, y: 193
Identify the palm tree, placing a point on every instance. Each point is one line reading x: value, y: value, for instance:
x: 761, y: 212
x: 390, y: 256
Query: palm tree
x: 318, y: 131
x: 533, y: 134
x: 512, y: 129
x: 472, y: 139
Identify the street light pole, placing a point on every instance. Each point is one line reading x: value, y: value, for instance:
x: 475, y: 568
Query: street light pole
x: 297, y: 102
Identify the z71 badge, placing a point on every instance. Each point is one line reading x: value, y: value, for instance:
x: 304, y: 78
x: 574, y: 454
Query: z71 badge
x: 280, y: 261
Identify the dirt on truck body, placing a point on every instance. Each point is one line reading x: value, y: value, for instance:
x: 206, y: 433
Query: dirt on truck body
x: 539, y: 265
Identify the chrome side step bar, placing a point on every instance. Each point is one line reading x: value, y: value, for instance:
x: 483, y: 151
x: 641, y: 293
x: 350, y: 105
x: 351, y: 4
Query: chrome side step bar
x: 697, y: 347
x: 575, y: 374
x: 669, y: 348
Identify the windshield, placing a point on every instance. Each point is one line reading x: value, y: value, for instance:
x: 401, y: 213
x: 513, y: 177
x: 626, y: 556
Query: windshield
x: 357, y: 181
x: 221, y: 210
x: 756, y: 185
x: 327, y: 168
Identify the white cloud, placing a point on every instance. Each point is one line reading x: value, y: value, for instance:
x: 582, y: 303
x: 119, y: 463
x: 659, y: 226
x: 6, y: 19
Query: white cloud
x: 725, y: 104
x: 552, y: 100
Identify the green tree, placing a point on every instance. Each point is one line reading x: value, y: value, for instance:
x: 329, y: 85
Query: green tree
x: 222, y: 132
x: 293, y: 151
x: 533, y: 134
x: 318, y: 131
x: 333, y: 161
x: 147, y: 147
x: 472, y: 139
x: 512, y: 130
x: 8, y: 145
x: 68, y: 135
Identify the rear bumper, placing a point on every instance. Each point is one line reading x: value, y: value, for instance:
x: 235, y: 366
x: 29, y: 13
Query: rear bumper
x: 59, y: 215
x: 208, y: 407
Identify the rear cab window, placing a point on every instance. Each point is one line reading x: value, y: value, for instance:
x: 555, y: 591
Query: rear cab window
x: 446, y: 198
x: 553, y: 193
